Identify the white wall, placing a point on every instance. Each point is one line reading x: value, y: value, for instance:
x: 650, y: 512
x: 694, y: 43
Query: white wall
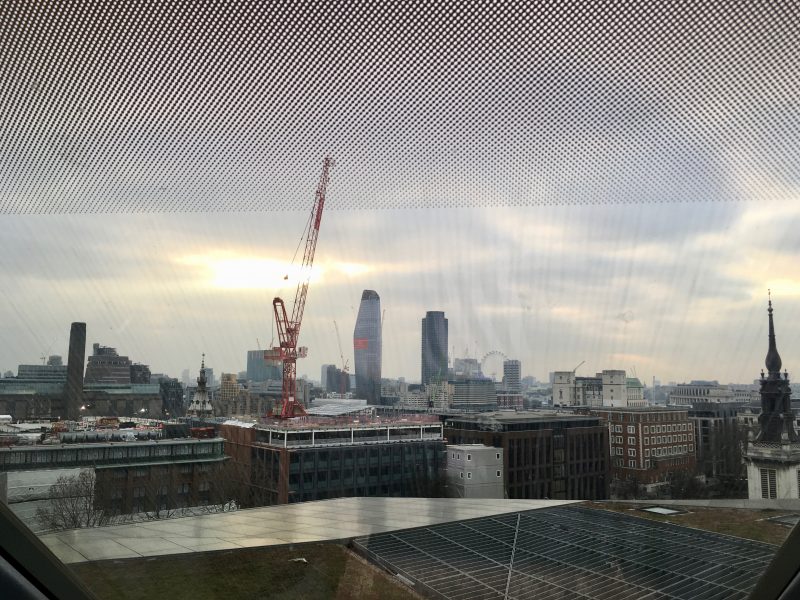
x: 615, y: 388
x: 785, y: 479
x: 472, y: 471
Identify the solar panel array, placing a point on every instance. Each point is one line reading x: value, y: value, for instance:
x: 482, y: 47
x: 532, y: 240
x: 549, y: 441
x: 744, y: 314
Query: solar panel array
x: 121, y: 106
x: 571, y: 552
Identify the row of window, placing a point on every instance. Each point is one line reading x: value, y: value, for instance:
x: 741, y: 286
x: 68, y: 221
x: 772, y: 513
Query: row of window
x: 669, y: 450
x: 646, y: 416
x: 652, y: 441
x: 658, y: 451
x: 666, y: 439
x: 106, y: 454
x: 673, y: 428
x: 469, y: 456
x: 469, y: 475
x: 668, y: 428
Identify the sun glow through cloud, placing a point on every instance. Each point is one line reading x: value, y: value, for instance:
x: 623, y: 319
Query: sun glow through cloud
x: 235, y: 272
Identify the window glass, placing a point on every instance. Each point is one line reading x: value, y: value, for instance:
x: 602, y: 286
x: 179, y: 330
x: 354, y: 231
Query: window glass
x: 264, y: 259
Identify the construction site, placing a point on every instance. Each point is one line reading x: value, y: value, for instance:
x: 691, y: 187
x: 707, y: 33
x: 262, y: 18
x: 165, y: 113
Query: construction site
x: 345, y: 449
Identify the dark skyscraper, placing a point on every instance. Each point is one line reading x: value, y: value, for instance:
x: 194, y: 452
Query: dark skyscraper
x: 434, y: 347
x: 367, y: 347
x: 77, y: 354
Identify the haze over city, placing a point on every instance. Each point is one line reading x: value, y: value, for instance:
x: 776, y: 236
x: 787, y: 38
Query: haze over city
x: 675, y: 291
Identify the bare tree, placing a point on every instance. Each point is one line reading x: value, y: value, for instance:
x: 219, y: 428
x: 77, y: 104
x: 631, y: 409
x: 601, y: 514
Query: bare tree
x: 72, y: 503
x: 159, y: 496
x: 229, y: 488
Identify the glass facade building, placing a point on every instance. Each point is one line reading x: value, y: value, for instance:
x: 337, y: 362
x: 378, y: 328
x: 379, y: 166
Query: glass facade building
x: 367, y: 346
x: 259, y: 369
x: 434, y: 347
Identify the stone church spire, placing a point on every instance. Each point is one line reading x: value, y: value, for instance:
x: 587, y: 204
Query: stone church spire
x: 773, y: 361
x: 776, y: 420
x: 201, y: 404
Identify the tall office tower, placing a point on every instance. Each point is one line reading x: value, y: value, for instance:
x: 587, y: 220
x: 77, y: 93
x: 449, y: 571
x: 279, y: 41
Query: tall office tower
x: 75, y: 358
x: 259, y: 369
x: 337, y: 380
x: 323, y: 380
x: 367, y: 347
x: 210, y: 380
x: 511, y: 375
x: 434, y: 347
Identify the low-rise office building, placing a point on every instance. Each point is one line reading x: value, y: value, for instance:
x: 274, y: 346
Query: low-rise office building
x: 320, y: 458
x: 133, y: 472
x: 718, y: 438
x: 545, y: 454
x: 711, y: 392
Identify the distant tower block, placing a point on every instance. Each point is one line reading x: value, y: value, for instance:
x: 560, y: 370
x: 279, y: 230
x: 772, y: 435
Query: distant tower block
x: 434, y: 347
x: 73, y: 391
x: 512, y: 375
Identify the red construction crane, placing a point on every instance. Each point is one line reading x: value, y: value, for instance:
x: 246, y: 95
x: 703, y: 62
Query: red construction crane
x: 289, y: 328
x: 345, y: 373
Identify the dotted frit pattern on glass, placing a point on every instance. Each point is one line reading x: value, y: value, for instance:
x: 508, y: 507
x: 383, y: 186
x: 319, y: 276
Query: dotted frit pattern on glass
x: 230, y: 106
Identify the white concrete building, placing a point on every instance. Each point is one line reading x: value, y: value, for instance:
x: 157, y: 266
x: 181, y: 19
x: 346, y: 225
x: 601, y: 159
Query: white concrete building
x: 474, y: 471
x: 609, y: 388
x: 711, y: 392
x: 635, y: 392
x: 615, y: 388
x: 570, y: 390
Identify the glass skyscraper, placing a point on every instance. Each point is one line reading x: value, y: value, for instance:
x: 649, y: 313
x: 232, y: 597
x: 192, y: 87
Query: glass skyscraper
x: 259, y: 369
x: 434, y: 347
x: 367, y: 345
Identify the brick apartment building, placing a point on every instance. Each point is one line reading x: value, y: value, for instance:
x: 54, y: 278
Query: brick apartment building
x: 648, y: 443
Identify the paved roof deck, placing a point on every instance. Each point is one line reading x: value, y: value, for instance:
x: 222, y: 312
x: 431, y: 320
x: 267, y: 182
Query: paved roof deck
x: 325, y: 520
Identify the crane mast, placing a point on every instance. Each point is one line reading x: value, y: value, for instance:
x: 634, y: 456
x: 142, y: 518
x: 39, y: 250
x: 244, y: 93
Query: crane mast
x: 289, y: 327
x: 344, y: 362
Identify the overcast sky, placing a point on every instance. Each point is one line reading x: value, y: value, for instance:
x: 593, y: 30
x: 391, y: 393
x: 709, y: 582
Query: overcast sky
x: 675, y: 291
x: 613, y: 183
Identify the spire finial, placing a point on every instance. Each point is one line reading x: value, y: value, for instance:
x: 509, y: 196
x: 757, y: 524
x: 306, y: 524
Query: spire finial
x: 773, y: 361
x: 201, y: 381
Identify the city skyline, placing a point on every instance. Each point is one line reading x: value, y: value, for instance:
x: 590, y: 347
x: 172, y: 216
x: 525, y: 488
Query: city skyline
x: 672, y: 290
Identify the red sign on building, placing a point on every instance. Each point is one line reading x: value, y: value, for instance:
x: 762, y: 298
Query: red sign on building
x: 360, y: 343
